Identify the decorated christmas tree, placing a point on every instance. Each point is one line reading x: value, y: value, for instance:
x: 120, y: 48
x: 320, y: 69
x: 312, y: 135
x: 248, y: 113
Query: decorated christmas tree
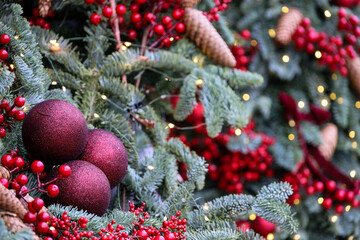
x: 179, y: 119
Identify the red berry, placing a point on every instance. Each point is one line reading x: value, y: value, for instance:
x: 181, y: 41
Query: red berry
x: 340, y: 195
x: 42, y: 227
x: 4, y: 182
x: 246, y: 34
x: 89, y: 1
x: 166, y: 20
x: 142, y: 234
x: 342, y: 12
x: 355, y: 203
x: 18, y: 162
x: 120, y: 9
x: 350, y: 195
x: 4, y: 104
x: 306, y: 22
x: 354, y: 20
x: 159, y: 29
x: 37, y: 166
x: 35, y: 12
x: 149, y: 17
x: 19, y: 115
x: 159, y: 238
x: 19, y: 101
x: 15, y: 185
x: 49, y: 238
x: 40, y: 22
x: 135, y: 17
x: 64, y: 171
x: 169, y: 236
x: 43, y: 217
x: 11, y: 111
x: 327, y: 203
x: 22, y: 179
x: 30, y: 217
x: 3, y: 54
x: 2, y: 132
x: 4, y: 39
x: 1, y: 118
x: 141, y: 1
x: 166, y: 42
x: 180, y: 27
x: 177, y: 14
x: 339, y: 209
x: 310, y: 190
x: 53, y: 190
x: 95, y: 18
x: 134, y: 7
x: 37, y: 204
x: 7, y: 161
x: 46, y: 26
x: 331, y: 185
x: 107, y: 12
x: 131, y: 34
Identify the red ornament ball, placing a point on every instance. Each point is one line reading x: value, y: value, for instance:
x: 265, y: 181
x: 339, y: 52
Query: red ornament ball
x: 54, y: 131
x: 262, y: 226
x: 86, y: 188
x: 106, y: 151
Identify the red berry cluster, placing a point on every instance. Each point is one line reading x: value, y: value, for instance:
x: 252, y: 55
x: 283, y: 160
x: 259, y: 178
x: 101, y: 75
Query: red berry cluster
x: 245, y: 52
x: 35, y: 19
x: 347, y: 3
x: 220, y: 5
x: 230, y: 169
x: 4, y: 40
x: 153, y: 14
x: 334, y: 49
x: 37, y: 218
x: 9, y: 113
x: 16, y: 164
x: 304, y: 184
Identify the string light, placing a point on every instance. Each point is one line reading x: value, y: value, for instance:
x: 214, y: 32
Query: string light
x: 54, y: 83
x: 297, y: 201
x: 195, y: 59
x: 206, y: 218
x: 170, y: 125
x: 334, y: 76
x: 357, y: 104
x: 334, y: 218
x: 352, y: 134
x: 150, y: 167
x: 301, y: 104
x: 199, y: 82
x: 238, y: 132
x: 253, y: 43
x: 354, y: 145
x: 12, y: 67
x: 165, y: 218
x: 171, y: 39
x: 246, y: 97
x: 55, y: 46
x: 63, y: 88
x: 17, y: 36
x: 333, y: 96
x: 127, y: 44
x: 340, y: 100
x: 285, y: 9
x: 324, y: 102
x: 285, y: 58
x: 252, y: 217
x: 351, y: 237
x: 292, y: 123
x: 352, y: 173
x: 297, y: 236
x: 320, y: 200
x: 318, y: 54
x: 166, y: 79
x: 291, y: 137
x: 327, y: 13
x: 272, y: 33
x: 21, y: 55
x: 103, y: 97
x: 96, y: 115
x: 347, y: 208
x: 123, y: 47
x: 320, y: 89
x: 206, y: 206
x: 270, y: 236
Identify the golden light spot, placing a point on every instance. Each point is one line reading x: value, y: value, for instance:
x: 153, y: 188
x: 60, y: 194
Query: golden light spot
x: 334, y: 76
x: 332, y: 96
x: 199, y: 82
x: 12, y: 67
x: 252, y: 217
x: 334, y: 218
x: 206, y: 218
x: 347, y: 208
x: 301, y: 104
x: 206, y: 206
x: 285, y: 9
x: 63, y: 88
x: 320, y: 89
x: 166, y: 79
x: 246, y: 97
x: 270, y: 236
x: 351, y: 237
x: 340, y: 100
x: 320, y: 200
x: 357, y: 104
x: 165, y: 218
x: 352, y: 173
x: 21, y: 54
x: 171, y: 125
x: 324, y: 102
x: 292, y: 123
x: 54, y: 83
x: 96, y: 115
x: 253, y: 43
x: 318, y: 54
x: 150, y: 167
x: 103, y: 97
x: 354, y: 144
x: 238, y: 132
x: 285, y: 58
x: 352, y: 134
x: 297, y: 236
x: 195, y: 59
x: 327, y: 13
x: 171, y: 39
x: 123, y: 47
x: 53, y: 41
x: 17, y: 36
x: 272, y: 33
x: 297, y: 201
x: 127, y: 44
x: 291, y: 137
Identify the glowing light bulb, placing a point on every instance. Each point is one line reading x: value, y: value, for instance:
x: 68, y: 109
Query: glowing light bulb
x: 150, y: 167
x: 357, y: 104
x: 253, y: 43
x: 291, y: 137
x: 334, y: 76
x: 352, y: 134
x: 352, y: 173
x: 272, y: 33
x: 270, y: 236
x: 334, y: 218
x: 246, y: 97
x: 327, y: 13
x: 301, y: 104
x: 340, y: 100
x: 347, y: 208
x: 297, y: 236
x: 320, y: 89
x: 285, y: 9
x: 195, y: 59
x: 96, y: 115
x: 318, y: 54
x: 354, y: 145
x: 199, y: 82
x: 63, y: 88
x: 238, y: 132
x: 252, y: 217
x: 285, y: 58
x: 320, y: 200
x: 127, y: 44
x: 206, y: 206
x: 54, y: 83
x: 292, y: 123
x: 103, y: 97
x: 333, y: 96
x: 324, y: 102
x: 171, y: 125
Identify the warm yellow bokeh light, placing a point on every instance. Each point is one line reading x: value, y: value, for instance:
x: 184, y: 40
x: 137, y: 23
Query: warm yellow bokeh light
x: 324, y: 102
x: 352, y: 134
x: 291, y: 136
x: 352, y: 173
x: 332, y: 96
x: 301, y: 104
x: 340, y: 100
x: 334, y: 218
x: 327, y: 13
x: 246, y: 97
x: 272, y: 33
x: 270, y: 236
x: 252, y: 217
x: 285, y: 9
x: 357, y: 104
x: 320, y: 200
x: 238, y: 132
x: 320, y: 89
x: 292, y: 123
x: 318, y: 54
x: 285, y: 58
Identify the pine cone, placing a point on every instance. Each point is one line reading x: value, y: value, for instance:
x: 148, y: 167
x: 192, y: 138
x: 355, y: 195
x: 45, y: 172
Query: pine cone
x: 9, y: 202
x: 203, y: 33
x: 188, y: 3
x: 287, y: 24
x: 5, y: 173
x: 353, y: 67
x: 44, y: 7
x: 330, y: 137
x: 14, y: 223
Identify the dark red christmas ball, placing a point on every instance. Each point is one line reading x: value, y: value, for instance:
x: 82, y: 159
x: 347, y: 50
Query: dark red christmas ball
x: 262, y: 226
x: 54, y: 131
x: 106, y: 151
x: 87, y: 188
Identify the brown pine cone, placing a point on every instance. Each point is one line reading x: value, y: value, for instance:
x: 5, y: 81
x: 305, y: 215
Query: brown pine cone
x: 205, y: 36
x: 287, y: 24
x: 9, y: 202
x: 353, y: 67
x: 330, y: 137
x: 188, y: 3
x: 14, y: 223
x: 5, y: 173
x: 44, y: 7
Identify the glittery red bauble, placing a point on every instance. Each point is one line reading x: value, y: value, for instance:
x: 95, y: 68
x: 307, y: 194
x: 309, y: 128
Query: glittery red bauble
x: 54, y: 131
x: 262, y: 226
x: 86, y: 188
x: 106, y: 151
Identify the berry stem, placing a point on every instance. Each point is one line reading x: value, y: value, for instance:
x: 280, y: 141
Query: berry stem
x: 144, y: 42
x: 115, y: 26
x: 154, y: 44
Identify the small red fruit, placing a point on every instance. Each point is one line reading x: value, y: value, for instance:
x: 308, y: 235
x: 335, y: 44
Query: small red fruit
x: 180, y: 27
x: 4, y: 182
x: 177, y: 14
x: 3, y: 54
x: 18, y: 162
x: 53, y: 190
x: 159, y: 29
x: 4, y: 104
x: 246, y: 34
x: 7, y: 161
x: 37, y: 204
x: 95, y: 18
x: 22, y: 179
x: 30, y: 217
x: 120, y: 9
x: 43, y: 217
x: 37, y: 166
x: 132, y: 34
x: 19, y: 101
x: 169, y: 236
x: 135, y: 17
x: 42, y: 227
x: 327, y: 203
x: 331, y: 185
x: 107, y: 12
x: 4, y: 39
x: 19, y: 115
x: 89, y: 1
x: 2, y: 132
x: 166, y: 20
x: 64, y: 171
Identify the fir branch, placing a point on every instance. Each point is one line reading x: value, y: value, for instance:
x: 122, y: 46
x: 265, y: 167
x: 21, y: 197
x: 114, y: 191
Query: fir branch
x: 219, y: 234
x: 187, y: 98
